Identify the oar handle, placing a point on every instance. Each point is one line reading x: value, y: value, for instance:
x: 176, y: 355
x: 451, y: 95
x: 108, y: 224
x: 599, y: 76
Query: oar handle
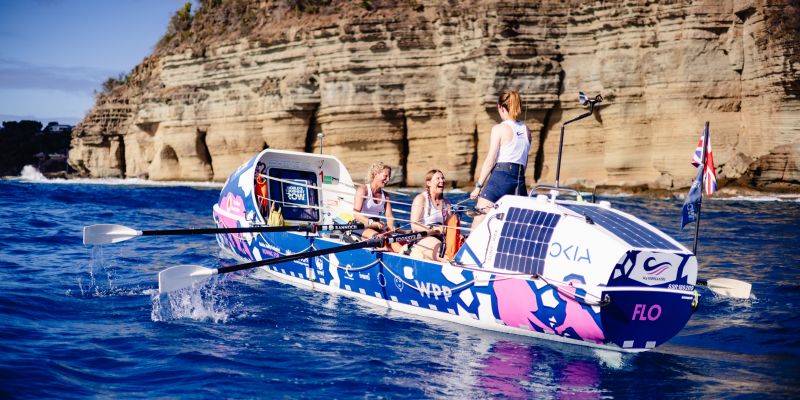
x: 406, y: 237
x: 337, y: 227
x: 372, y: 242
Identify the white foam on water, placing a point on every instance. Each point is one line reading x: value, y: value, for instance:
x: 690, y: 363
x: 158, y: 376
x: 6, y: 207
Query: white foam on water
x: 199, y: 303
x: 749, y: 198
x: 611, y: 359
x: 31, y: 174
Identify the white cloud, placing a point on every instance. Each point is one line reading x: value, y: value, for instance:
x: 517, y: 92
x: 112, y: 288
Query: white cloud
x: 22, y: 76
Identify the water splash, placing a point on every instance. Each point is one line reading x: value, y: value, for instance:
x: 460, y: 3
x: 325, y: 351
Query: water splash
x: 203, y: 302
x: 95, y: 262
x: 30, y: 173
x: 611, y: 359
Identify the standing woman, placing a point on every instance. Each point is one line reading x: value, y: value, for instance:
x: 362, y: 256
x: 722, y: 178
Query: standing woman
x: 371, y: 202
x: 509, y: 144
x: 428, y: 214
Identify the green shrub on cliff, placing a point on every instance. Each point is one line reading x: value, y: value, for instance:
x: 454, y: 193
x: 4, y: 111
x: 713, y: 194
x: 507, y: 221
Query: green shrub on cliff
x: 112, y: 82
x: 180, y: 25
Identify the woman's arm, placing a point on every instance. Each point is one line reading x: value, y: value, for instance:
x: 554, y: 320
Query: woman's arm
x: 417, y: 209
x: 388, y: 211
x: 358, y: 204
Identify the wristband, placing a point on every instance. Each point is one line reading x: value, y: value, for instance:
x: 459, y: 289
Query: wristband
x: 478, y: 186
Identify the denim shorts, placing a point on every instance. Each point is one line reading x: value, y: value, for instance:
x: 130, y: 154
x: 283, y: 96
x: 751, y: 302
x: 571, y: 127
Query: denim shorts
x: 506, y: 178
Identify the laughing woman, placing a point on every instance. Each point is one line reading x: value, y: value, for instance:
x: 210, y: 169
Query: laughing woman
x: 371, y: 202
x: 428, y: 213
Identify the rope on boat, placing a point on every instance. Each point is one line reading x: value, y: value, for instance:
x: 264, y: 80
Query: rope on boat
x: 352, y: 269
x: 327, y: 189
x: 407, y: 221
x: 559, y: 286
x: 454, y: 289
x: 346, y: 200
x: 355, y: 185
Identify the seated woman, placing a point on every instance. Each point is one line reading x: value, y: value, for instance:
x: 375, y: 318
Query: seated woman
x: 371, y: 201
x: 428, y: 213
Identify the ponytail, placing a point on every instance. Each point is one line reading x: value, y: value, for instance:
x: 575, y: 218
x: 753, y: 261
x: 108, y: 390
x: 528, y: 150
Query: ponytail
x: 510, y: 100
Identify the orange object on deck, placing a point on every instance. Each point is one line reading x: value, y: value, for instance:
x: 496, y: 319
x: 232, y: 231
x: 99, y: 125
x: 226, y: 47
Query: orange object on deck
x: 261, y: 193
x: 453, y: 238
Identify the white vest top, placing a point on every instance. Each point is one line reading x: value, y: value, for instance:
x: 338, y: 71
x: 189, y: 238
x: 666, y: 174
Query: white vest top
x: 370, y: 208
x: 515, y: 151
x: 432, y: 216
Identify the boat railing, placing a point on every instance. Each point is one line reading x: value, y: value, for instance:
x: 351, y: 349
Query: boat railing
x: 408, y: 222
x: 561, y: 189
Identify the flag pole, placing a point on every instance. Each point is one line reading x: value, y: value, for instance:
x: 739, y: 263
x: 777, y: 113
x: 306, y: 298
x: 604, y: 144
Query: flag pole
x: 702, y: 176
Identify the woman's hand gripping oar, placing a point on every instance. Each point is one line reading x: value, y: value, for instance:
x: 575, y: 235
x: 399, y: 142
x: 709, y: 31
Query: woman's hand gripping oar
x: 182, y: 276
x: 111, y: 233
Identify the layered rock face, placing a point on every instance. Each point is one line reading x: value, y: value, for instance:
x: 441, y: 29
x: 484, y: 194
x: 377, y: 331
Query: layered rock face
x: 415, y: 85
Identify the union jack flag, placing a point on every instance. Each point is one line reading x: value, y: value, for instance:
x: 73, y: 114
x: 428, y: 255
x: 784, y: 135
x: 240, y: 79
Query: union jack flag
x: 710, y: 177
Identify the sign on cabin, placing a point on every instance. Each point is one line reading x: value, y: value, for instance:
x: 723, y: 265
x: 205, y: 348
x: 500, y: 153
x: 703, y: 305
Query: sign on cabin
x: 293, y: 192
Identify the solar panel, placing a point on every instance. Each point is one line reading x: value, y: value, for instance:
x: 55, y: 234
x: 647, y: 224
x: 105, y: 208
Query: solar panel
x: 626, y: 229
x: 523, y: 241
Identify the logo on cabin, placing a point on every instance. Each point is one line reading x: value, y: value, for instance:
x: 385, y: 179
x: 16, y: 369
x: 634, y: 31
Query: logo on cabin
x: 571, y: 253
x: 657, y: 269
x: 650, y: 268
x: 296, y: 194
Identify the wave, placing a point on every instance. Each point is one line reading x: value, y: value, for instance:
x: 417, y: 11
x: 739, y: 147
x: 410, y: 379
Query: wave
x: 31, y: 174
x: 762, y: 198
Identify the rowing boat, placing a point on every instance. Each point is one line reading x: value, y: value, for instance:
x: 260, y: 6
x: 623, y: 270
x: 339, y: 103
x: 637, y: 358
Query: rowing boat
x: 551, y: 266
x: 548, y: 266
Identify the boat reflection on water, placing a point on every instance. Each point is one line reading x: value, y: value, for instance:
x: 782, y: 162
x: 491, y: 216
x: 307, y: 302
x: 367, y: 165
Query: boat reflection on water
x: 517, y: 370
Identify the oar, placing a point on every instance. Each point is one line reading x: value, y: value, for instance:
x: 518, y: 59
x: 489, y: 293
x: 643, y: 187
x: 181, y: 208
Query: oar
x: 182, y: 276
x: 727, y: 287
x: 111, y: 233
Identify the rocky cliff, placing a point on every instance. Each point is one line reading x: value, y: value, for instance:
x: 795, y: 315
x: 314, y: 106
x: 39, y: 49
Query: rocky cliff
x: 414, y: 84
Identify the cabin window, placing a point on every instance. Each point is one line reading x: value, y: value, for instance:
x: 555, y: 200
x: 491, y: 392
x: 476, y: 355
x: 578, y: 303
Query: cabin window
x: 293, y: 194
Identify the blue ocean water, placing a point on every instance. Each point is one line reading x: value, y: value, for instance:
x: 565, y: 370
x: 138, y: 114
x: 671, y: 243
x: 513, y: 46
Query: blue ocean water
x: 83, y: 322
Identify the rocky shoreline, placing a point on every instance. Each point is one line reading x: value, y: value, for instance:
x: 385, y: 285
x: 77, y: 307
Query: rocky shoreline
x: 414, y: 85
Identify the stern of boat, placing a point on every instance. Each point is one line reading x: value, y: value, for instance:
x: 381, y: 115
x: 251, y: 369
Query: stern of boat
x: 649, y: 298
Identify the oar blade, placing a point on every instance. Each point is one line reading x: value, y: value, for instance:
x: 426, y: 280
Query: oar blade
x: 182, y: 276
x: 730, y: 287
x: 108, y: 233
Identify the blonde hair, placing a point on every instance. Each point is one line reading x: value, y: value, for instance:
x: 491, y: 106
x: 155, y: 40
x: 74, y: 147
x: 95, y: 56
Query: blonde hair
x: 510, y: 100
x: 428, y: 178
x: 375, y: 169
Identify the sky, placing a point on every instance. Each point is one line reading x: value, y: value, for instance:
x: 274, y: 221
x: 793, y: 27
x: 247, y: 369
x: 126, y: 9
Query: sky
x: 54, y: 54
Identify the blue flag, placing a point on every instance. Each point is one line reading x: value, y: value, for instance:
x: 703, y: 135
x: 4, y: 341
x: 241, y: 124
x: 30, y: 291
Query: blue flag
x: 692, y: 203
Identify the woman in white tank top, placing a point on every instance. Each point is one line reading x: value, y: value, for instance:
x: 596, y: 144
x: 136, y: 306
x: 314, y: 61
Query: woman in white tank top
x: 428, y: 213
x: 503, y: 170
x: 371, y: 202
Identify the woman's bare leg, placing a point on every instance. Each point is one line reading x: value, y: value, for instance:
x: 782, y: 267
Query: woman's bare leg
x: 427, y: 248
x: 482, y: 205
